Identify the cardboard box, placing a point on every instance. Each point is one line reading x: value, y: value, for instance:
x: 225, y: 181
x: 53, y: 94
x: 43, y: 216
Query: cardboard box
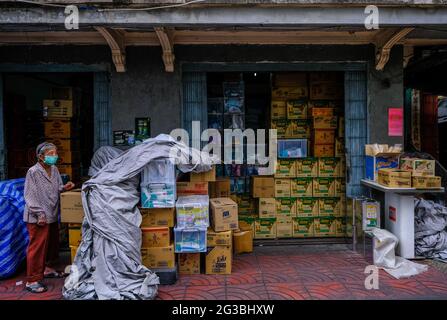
x: 426, y: 182
x: 326, y: 77
x: 340, y: 187
x: 323, y: 136
x: 341, y: 126
x: 394, y: 178
x: 158, y: 257
x: 214, y: 238
x: 263, y: 187
x: 343, y: 167
x: 326, y: 91
x: 301, y: 187
x: 157, y: 217
x: 189, y: 263
x: 62, y: 93
x: 74, y: 234
x: 289, y: 93
x: 73, y: 251
x: 265, y: 228
x: 340, y: 227
x: 282, y: 188
x: 325, y: 227
x: 285, y: 168
x: 281, y: 126
x: 322, y: 112
x: 302, y: 227
x: 307, y: 207
x: 380, y: 161
x: 284, y: 227
x: 339, y: 147
x: 223, y: 214
x: 155, y: 237
x: 296, y: 109
x: 192, y: 188
x: 329, y: 207
x: 325, y: 122
x: 59, y: 128
x: 278, y: 110
x: 218, y: 260
x: 68, y: 157
x: 242, y: 242
x: 329, y: 167
x: 307, y: 167
x: 72, y: 210
x: 219, y: 188
x: 58, y: 108
x: 247, y: 223
x: 290, y: 79
x: 285, y: 207
x: 324, y: 187
x: 267, y: 207
x: 203, y: 176
x: 418, y: 167
x: 64, y: 144
x: 298, y: 129
x: 323, y: 150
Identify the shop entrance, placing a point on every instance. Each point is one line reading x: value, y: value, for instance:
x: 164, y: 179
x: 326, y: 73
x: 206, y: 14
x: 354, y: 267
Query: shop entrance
x: 54, y: 107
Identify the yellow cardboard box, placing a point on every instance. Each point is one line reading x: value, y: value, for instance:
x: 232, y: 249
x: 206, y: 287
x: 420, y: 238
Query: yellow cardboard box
x: 247, y: 223
x: 339, y: 147
x: 284, y: 227
x: 157, y: 217
x: 219, y: 188
x: 307, y: 167
x: 324, y: 187
x: 323, y: 150
x: 418, y: 167
x: 326, y: 91
x: 325, y: 227
x: 340, y: 187
x: 341, y: 126
x: 265, y: 228
x: 203, y: 176
x: 278, y: 110
x: 59, y: 128
x: 218, y: 260
x: 218, y: 238
x: 329, y: 167
x: 263, y: 187
x: 301, y: 187
x: 299, y: 129
x: 189, y: 263
x: 329, y: 207
x: 192, y: 188
x: 325, y: 122
x: 289, y: 93
x: 74, y: 234
x: 394, y: 178
x: 290, y: 79
x: 58, y: 108
x: 282, y: 188
x: 155, y: 237
x: 243, y: 242
x: 285, y: 168
x: 323, y: 136
x: 158, y: 257
x: 340, y: 227
x: 285, y: 207
x: 307, y: 207
x: 281, y: 126
x: 302, y: 227
x: 322, y: 111
x: 224, y: 214
x: 72, y: 210
x: 426, y: 182
x: 73, y: 251
x: 267, y: 207
x: 296, y: 109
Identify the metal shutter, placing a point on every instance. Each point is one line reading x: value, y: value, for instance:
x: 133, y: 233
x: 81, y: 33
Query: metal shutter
x: 103, y: 121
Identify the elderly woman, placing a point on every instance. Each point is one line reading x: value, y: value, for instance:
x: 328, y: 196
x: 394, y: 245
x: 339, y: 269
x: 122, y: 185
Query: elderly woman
x: 43, y: 186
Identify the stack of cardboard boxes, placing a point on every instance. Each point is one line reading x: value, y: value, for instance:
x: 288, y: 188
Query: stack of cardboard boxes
x: 60, y: 128
x: 72, y: 213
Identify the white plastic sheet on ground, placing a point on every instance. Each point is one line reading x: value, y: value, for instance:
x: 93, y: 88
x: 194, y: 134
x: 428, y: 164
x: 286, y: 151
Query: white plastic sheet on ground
x: 108, y: 261
x: 385, y: 244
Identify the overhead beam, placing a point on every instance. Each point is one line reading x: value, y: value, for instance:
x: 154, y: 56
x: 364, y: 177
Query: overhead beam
x: 166, y: 37
x: 385, y: 41
x: 117, y: 44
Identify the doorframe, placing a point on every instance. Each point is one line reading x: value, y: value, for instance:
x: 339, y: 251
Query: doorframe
x: 101, y: 100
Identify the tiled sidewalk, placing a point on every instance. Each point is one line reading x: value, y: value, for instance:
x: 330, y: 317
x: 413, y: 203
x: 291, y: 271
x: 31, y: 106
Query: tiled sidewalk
x: 291, y: 272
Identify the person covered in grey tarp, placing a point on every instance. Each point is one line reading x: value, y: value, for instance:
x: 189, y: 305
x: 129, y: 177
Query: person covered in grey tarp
x: 108, y: 262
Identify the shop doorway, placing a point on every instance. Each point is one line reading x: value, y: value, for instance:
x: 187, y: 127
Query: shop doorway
x: 25, y: 122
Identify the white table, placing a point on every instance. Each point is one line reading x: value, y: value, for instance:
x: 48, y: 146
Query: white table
x: 399, y: 214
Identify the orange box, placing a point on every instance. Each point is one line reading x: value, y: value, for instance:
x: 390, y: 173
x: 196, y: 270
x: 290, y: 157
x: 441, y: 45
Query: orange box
x: 155, y: 237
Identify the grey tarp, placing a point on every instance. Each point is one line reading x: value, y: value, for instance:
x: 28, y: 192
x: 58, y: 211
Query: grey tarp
x: 101, y: 157
x: 431, y: 230
x: 108, y: 261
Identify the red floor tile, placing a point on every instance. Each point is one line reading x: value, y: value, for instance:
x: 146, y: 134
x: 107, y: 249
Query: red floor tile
x: 244, y: 278
x: 358, y: 291
x: 205, y: 293
x: 287, y: 291
x: 316, y: 274
x: 328, y: 290
x: 171, y: 292
x: 247, y: 292
x: 439, y: 288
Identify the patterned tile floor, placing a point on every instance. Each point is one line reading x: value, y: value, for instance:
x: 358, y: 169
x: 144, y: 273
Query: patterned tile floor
x: 275, y: 273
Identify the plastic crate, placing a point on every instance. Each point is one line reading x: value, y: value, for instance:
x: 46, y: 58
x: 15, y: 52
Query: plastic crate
x: 190, y: 240
x: 292, y: 148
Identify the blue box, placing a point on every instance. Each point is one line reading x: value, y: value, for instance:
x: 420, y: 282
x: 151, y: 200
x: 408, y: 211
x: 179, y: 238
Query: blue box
x: 190, y: 240
x: 380, y: 161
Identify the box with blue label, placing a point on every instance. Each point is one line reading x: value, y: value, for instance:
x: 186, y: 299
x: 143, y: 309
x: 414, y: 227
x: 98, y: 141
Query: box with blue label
x: 190, y: 240
x: 380, y: 161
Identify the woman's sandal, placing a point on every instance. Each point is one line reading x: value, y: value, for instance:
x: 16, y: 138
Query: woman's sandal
x: 36, y: 288
x: 54, y: 274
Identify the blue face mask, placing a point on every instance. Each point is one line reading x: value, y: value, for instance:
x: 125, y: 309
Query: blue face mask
x: 50, y: 160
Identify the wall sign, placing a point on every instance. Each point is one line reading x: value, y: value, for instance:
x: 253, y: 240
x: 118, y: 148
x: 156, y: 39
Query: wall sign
x: 392, y: 213
x: 395, y: 122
